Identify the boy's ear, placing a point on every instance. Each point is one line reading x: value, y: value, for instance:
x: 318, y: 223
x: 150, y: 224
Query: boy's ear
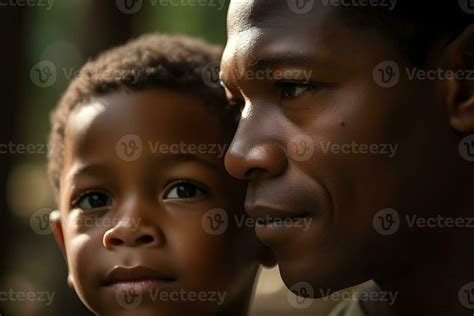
x: 57, y: 228
x: 460, y: 89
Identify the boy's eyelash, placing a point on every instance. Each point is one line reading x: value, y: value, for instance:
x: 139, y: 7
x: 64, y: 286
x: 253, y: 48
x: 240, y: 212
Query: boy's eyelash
x: 172, y: 184
x: 75, y: 201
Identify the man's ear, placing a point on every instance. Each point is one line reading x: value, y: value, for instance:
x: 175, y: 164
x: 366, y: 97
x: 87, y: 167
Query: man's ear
x: 460, y: 59
x: 57, y: 228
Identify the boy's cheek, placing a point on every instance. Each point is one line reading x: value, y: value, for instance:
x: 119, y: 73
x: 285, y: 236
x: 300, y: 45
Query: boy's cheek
x: 84, y: 262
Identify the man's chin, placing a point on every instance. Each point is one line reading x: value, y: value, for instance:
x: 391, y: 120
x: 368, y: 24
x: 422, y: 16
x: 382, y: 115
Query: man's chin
x: 315, y: 281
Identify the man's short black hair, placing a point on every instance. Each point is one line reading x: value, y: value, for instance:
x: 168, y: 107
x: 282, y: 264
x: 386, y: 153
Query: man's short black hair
x: 177, y: 63
x: 413, y: 26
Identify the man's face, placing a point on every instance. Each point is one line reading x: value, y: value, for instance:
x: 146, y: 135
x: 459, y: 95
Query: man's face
x: 306, y: 84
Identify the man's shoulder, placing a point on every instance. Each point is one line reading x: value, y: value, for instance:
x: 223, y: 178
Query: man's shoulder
x: 360, y: 306
x: 350, y: 308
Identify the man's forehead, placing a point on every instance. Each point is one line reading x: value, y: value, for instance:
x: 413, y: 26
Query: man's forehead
x: 248, y: 13
x: 280, y: 14
x: 257, y: 34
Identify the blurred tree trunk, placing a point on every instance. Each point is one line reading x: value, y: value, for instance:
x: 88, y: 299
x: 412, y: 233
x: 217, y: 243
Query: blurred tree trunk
x: 12, y: 59
x: 106, y: 26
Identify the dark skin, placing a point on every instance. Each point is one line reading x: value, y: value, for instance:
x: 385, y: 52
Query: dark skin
x: 341, y: 193
x: 148, y: 212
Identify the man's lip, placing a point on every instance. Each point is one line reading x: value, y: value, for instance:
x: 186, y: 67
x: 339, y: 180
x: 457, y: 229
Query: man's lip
x: 267, y: 213
x: 119, y: 274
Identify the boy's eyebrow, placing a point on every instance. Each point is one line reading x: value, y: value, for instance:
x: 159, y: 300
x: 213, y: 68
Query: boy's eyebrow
x: 186, y: 157
x: 95, y: 168
x: 106, y: 168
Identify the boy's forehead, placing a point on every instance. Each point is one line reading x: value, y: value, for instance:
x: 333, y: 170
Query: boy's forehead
x: 152, y: 115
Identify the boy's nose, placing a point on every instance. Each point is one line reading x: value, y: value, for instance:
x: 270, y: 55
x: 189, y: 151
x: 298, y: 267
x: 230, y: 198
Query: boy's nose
x: 129, y: 235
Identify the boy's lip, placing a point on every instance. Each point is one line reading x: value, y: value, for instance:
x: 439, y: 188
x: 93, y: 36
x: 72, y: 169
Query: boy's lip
x: 119, y: 274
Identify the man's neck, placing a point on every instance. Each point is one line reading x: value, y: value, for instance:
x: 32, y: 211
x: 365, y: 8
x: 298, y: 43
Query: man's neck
x: 436, y: 284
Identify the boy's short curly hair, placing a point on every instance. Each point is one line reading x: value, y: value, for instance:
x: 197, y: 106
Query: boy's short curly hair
x: 177, y: 63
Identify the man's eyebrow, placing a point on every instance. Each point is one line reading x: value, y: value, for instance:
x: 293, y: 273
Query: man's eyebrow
x: 272, y: 62
x: 282, y: 61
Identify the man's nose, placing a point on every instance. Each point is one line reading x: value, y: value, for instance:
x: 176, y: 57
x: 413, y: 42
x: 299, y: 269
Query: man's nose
x: 255, y: 151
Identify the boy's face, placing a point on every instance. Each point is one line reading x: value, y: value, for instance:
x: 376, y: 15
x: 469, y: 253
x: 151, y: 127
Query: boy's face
x: 143, y: 206
x: 329, y: 96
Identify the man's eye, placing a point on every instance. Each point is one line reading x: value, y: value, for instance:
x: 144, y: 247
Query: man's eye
x: 92, y: 200
x: 184, y: 190
x: 291, y: 90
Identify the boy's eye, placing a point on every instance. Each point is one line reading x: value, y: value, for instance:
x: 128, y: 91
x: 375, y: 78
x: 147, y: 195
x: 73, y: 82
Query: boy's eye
x: 92, y: 200
x: 184, y: 190
x: 291, y: 90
